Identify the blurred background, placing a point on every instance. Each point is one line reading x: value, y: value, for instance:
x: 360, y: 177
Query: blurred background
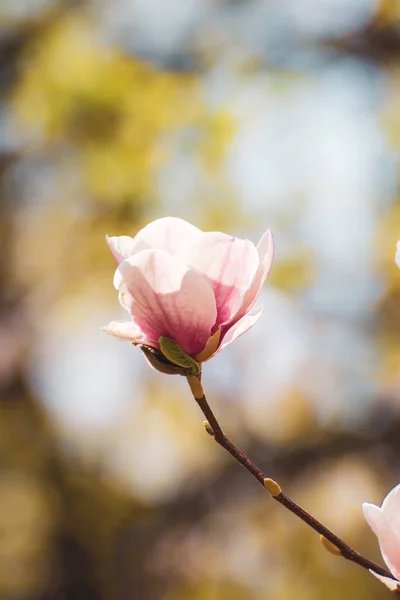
x: 236, y: 115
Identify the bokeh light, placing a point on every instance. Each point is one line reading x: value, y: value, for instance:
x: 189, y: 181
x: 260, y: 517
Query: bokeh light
x: 236, y: 115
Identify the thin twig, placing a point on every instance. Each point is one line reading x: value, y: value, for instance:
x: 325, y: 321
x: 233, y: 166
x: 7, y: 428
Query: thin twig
x: 216, y: 431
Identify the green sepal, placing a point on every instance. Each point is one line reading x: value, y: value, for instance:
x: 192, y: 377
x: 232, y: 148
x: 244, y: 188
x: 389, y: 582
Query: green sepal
x: 177, y: 356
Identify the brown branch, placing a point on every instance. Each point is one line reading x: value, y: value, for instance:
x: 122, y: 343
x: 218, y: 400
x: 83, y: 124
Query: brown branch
x: 214, y: 429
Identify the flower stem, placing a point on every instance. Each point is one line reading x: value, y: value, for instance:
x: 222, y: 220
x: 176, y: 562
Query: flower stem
x: 219, y: 436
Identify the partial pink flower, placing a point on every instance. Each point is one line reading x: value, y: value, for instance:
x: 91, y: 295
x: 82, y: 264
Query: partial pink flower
x: 196, y: 288
x: 385, y: 523
x: 397, y: 256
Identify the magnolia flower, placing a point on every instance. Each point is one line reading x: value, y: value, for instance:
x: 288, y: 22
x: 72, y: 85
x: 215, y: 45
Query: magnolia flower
x: 385, y: 523
x: 195, y: 288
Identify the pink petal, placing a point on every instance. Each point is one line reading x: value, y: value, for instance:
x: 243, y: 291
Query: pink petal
x: 125, y: 298
x: 168, y: 299
x: 126, y: 330
x: 265, y: 249
x: 389, y: 542
x: 228, y: 263
x: 374, y: 517
x: 391, y: 509
x: 391, y: 503
x: 168, y: 233
x: 240, y: 328
x: 121, y: 246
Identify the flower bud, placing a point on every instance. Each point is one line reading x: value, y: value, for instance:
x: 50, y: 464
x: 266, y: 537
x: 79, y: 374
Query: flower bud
x: 174, y: 353
x: 330, y: 546
x: 160, y: 363
x: 208, y: 428
x: 272, y: 486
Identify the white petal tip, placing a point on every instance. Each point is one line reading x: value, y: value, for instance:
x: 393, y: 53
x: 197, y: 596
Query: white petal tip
x: 392, y: 584
x: 125, y: 330
x: 371, y: 512
x: 108, y: 330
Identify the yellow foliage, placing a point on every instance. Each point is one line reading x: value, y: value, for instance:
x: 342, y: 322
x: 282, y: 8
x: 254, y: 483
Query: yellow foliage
x: 114, y: 109
x: 294, y: 273
x: 388, y: 11
x: 219, y: 130
x: 391, y: 113
x: 387, y: 232
x: 389, y: 372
